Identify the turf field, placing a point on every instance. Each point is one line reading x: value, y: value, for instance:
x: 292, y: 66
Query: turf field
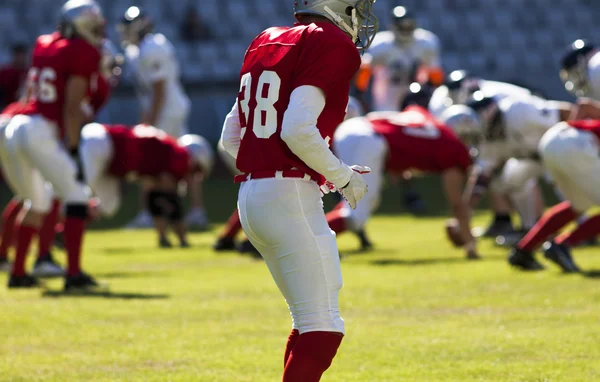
x: 414, y: 311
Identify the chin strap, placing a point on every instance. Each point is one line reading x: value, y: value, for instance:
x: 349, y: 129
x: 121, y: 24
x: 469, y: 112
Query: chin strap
x: 353, y: 31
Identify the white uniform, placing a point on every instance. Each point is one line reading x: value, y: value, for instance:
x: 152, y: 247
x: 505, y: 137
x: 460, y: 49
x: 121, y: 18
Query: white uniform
x: 441, y: 99
x: 36, y: 164
x: 393, y: 64
x: 594, y: 76
x: 97, y: 151
x: 572, y: 158
x: 154, y: 60
x: 356, y: 142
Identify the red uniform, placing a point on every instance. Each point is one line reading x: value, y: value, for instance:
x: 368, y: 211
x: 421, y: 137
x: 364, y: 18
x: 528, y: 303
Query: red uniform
x: 593, y: 126
x: 417, y: 141
x: 277, y: 62
x: 55, y: 60
x: 11, y: 84
x: 99, y: 92
x: 145, y: 151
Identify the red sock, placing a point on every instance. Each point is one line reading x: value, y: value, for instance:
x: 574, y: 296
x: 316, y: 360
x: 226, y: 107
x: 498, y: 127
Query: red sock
x: 312, y: 355
x: 74, y: 228
x: 586, y: 230
x: 337, y: 223
x: 47, y: 231
x: 9, y: 217
x: 25, y: 235
x: 233, y: 225
x: 553, y: 220
x: 291, y: 342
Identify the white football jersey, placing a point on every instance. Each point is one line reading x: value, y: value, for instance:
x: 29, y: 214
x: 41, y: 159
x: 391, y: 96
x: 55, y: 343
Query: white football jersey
x: 393, y: 63
x: 152, y: 61
x: 440, y: 99
x: 594, y: 76
x: 525, y: 122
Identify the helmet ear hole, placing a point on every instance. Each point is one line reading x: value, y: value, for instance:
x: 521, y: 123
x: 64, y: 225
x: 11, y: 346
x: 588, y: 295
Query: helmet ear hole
x: 349, y: 11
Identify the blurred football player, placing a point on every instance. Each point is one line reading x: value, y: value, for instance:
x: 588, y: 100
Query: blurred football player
x: 508, y: 161
x: 98, y: 94
x: 111, y: 153
x: 163, y: 100
x: 293, y: 94
x: 580, y: 72
x: 399, y: 57
x: 460, y: 85
x: 13, y: 75
x: 393, y: 142
x: 59, y: 79
x: 571, y: 153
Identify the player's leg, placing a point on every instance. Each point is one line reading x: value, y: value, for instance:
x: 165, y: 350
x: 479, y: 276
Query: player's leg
x: 9, y: 219
x: 226, y: 239
x: 56, y: 166
x: 284, y: 219
x: 45, y: 266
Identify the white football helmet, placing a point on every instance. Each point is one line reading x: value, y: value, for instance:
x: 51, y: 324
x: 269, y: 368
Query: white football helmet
x: 83, y: 18
x: 465, y: 123
x: 200, y: 151
x: 354, y: 17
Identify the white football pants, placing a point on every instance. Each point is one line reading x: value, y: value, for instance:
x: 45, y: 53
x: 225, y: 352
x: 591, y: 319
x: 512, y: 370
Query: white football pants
x: 96, y: 150
x: 285, y: 221
x: 355, y: 142
x: 36, y: 163
x: 572, y: 158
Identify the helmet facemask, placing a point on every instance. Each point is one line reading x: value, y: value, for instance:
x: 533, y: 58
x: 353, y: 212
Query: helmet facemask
x: 575, y: 78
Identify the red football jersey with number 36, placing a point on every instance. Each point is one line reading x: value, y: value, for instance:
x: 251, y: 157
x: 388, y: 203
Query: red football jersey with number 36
x: 278, y: 61
x: 418, y: 141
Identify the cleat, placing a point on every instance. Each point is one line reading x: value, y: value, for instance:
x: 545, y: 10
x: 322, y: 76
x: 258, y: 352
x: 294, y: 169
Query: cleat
x: 5, y: 265
x: 246, y: 247
x: 523, y: 260
x: 83, y: 282
x: 561, y: 256
x: 25, y: 281
x: 184, y: 244
x: 224, y: 244
x: 46, y: 267
x: 164, y: 243
x: 365, y: 243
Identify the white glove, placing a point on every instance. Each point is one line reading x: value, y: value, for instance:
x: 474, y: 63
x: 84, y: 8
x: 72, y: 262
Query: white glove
x: 356, y: 188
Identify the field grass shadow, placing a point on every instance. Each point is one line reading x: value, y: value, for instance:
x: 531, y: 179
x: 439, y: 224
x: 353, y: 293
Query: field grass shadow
x: 591, y: 274
x: 129, y: 275
x: 429, y: 260
x: 104, y: 294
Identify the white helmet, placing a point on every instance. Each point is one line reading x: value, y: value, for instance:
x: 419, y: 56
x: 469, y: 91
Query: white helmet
x: 83, y: 18
x: 465, y: 123
x: 354, y: 17
x: 200, y: 151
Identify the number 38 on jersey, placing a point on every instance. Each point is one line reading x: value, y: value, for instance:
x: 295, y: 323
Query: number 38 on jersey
x: 264, y: 115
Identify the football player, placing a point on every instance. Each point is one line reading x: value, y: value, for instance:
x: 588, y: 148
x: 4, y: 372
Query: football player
x: 571, y: 153
x: 293, y: 94
x: 399, y: 57
x: 393, y: 142
x: 163, y: 100
x: 508, y: 162
x: 98, y: 94
x: 59, y: 79
x: 111, y: 153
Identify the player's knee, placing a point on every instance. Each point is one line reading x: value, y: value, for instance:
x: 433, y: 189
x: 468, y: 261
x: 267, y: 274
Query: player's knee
x: 155, y: 203
x: 165, y: 204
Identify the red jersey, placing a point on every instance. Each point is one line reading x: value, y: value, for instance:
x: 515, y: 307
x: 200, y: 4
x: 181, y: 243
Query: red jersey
x: 99, y: 92
x: 16, y: 108
x: 418, y: 141
x: 278, y: 61
x: 591, y: 125
x: 145, y: 151
x: 55, y: 60
x: 11, y: 84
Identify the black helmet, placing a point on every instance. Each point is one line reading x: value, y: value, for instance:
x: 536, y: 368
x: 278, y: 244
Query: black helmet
x: 134, y: 25
x: 403, y: 24
x: 574, y: 67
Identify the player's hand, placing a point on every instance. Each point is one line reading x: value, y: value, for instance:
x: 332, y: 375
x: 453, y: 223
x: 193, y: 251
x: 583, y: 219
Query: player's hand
x: 356, y: 188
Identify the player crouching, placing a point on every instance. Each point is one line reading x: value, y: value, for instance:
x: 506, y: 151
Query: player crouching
x: 111, y: 153
x: 394, y: 142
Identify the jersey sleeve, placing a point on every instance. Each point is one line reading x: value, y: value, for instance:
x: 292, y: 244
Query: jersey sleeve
x: 154, y: 60
x: 327, y: 67
x: 83, y: 59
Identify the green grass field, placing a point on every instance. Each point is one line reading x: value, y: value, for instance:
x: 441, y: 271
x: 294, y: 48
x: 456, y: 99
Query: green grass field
x: 414, y: 311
